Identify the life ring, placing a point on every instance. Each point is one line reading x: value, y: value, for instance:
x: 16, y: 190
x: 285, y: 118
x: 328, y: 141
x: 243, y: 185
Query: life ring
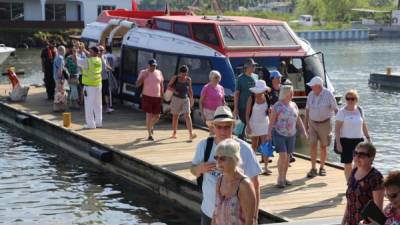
x: 395, y: 20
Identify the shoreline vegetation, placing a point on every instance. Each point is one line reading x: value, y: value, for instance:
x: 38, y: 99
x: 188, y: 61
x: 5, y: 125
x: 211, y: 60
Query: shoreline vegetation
x: 328, y: 15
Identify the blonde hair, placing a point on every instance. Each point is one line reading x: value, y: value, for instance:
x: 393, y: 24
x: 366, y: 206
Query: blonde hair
x: 284, y: 91
x: 230, y: 148
x: 214, y: 73
x: 352, y: 92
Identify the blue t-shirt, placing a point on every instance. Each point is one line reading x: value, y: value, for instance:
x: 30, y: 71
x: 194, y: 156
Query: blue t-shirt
x: 243, y: 84
x: 250, y: 167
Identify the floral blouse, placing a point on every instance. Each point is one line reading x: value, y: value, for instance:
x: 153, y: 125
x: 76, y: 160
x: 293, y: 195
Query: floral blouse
x: 286, y: 120
x: 359, y: 192
x: 392, y: 218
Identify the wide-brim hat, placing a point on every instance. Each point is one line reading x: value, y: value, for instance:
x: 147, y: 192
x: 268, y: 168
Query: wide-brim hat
x: 223, y: 114
x: 250, y: 62
x: 260, y: 87
x: 315, y: 81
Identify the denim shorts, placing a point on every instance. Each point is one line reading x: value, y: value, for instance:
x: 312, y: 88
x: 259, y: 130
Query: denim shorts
x: 283, y: 143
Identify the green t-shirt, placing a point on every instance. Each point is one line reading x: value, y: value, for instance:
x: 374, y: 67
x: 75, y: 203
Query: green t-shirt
x: 243, y: 84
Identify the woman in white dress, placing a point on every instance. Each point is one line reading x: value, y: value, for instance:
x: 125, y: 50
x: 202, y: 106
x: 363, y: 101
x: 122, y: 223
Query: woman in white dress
x: 257, y: 118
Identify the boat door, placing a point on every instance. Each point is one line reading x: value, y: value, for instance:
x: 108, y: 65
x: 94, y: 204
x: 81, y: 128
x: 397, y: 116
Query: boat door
x: 314, y: 65
x: 120, y: 30
x: 96, y: 33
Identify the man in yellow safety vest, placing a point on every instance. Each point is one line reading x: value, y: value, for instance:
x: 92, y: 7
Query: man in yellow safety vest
x: 91, y: 80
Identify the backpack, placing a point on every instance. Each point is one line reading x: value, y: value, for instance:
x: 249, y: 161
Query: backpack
x: 207, y: 152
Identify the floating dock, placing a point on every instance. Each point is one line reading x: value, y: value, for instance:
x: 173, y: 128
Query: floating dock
x: 380, y: 80
x: 163, y: 166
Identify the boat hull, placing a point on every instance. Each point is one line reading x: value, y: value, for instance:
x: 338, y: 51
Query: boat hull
x: 5, y: 52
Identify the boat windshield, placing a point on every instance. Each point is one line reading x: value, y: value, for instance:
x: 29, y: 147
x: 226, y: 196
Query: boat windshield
x: 275, y: 36
x: 238, y: 36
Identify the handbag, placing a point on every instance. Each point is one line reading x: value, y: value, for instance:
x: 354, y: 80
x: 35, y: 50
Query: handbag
x: 239, y: 126
x: 168, y: 94
x: 266, y: 149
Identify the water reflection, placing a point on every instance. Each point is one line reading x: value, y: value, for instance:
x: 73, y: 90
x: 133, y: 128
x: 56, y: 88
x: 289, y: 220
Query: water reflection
x: 41, y: 186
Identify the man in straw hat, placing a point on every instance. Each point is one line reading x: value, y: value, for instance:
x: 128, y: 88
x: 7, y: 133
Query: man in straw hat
x: 245, y: 81
x: 223, y: 124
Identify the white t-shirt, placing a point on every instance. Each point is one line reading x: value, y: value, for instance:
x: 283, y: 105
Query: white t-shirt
x: 250, y: 166
x: 352, y: 123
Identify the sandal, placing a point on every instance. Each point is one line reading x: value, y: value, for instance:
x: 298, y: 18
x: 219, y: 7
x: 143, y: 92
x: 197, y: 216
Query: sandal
x: 288, y: 183
x: 322, y: 172
x: 266, y: 172
x: 281, y: 184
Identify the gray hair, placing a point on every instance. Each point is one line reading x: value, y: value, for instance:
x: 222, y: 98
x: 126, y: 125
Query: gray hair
x: 284, y: 91
x: 214, y: 73
x: 61, y: 48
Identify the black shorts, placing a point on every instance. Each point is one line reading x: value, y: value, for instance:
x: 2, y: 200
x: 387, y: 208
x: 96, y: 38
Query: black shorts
x: 348, y: 146
x: 104, y: 88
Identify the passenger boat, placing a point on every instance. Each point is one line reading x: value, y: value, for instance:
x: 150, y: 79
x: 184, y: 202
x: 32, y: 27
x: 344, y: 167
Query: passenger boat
x: 5, y: 52
x: 204, y: 43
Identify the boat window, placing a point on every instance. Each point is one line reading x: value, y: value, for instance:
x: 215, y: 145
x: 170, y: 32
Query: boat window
x: 143, y: 60
x: 182, y: 29
x: 275, y: 35
x: 101, y: 8
x: 238, y: 35
x: 129, y: 61
x: 206, y: 33
x: 55, y: 12
x: 199, y: 69
x: 11, y: 10
x: 164, y: 25
x: 167, y: 64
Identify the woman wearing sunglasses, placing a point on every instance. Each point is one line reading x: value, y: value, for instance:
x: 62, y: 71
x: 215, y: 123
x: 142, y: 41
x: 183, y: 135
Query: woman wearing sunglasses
x: 236, y: 197
x: 364, y: 184
x: 350, y: 130
x: 392, y: 193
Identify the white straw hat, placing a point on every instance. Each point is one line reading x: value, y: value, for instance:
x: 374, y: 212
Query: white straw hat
x: 315, y: 81
x: 260, y: 87
x: 223, y: 114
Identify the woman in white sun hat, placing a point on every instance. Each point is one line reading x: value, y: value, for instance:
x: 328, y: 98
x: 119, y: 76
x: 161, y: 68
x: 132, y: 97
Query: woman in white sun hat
x: 257, y: 118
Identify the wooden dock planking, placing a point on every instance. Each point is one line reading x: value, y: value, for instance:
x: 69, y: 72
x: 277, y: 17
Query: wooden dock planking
x: 124, y: 130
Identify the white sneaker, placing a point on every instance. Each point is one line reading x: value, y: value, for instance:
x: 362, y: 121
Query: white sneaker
x: 87, y: 127
x: 109, y: 110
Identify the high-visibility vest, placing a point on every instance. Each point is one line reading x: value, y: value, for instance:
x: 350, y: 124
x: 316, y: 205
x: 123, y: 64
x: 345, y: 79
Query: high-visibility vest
x: 91, y: 76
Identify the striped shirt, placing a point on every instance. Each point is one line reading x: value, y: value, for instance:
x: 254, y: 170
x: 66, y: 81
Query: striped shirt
x: 321, y: 107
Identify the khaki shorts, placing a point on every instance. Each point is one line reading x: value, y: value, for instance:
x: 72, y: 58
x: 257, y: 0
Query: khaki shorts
x: 321, y: 132
x: 180, y: 105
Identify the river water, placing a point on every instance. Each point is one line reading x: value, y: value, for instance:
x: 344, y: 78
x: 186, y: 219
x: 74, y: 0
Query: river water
x: 39, y: 185
x: 42, y: 185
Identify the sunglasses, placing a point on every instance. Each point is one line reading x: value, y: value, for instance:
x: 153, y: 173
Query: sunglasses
x: 350, y: 99
x: 392, y: 195
x: 360, y: 154
x: 220, y: 158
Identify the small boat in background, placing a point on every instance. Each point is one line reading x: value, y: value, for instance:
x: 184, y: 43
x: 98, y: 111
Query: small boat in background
x: 5, y: 52
x: 385, y: 80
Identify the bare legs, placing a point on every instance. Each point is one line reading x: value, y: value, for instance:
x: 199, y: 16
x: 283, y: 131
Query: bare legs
x: 313, y: 155
x: 189, y: 125
x: 283, y: 165
x: 347, y: 170
x: 151, y: 120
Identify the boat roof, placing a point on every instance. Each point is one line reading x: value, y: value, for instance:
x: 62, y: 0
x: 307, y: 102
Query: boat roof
x: 219, y: 19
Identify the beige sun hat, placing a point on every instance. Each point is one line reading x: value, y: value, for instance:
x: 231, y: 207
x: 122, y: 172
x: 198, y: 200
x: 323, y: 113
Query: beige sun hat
x: 260, y: 87
x: 223, y: 114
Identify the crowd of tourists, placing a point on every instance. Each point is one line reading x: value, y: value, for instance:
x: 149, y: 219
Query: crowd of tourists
x: 263, y: 110
x: 88, y: 74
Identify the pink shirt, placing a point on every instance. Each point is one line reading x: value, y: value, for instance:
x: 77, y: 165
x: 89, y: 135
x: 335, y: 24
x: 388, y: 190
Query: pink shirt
x: 152, y: 83
x: 212, y: 96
